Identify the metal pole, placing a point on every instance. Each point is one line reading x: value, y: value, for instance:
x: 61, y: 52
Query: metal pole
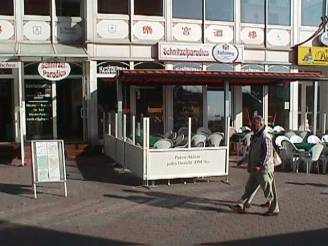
x: 226, y: 111
x: 21, y: 111
x: 189, y: 132
x: 315, y: 106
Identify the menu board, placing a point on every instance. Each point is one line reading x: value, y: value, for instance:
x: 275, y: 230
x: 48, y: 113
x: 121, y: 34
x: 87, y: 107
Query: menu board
x: 48, y: 160
x: 38, y: 101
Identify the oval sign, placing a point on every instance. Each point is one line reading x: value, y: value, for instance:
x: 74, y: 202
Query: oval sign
x: 324, y: 38
x: 54, y: 71
x: 225, y: 53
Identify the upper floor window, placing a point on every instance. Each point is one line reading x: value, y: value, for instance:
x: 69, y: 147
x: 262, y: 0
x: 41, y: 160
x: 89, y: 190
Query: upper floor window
x: 37, y: 7
x: 252, y: 11
x: 279, y: 12
x: 146, y: 7
x: 312, y: 11
x: 113, y: 7
x: 187, y: 9
x: 7, y: 8
x: 219, y: 10
x: 68, y: 7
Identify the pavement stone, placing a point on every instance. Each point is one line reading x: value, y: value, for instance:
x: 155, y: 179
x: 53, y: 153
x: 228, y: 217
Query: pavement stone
x: 108, y: 206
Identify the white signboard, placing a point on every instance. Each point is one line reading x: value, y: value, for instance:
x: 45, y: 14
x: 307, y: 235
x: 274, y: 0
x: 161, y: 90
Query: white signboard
x: 8, y: 65
x: 148, y: 30
x: 112, y: 29
x: 278, y: 37
x: 252, y: 36
x: 186, y: 163
x: 37, y: 30
x: 54, y: 71
x: 192, y: 52
x: 48, y: 162
x: 187, y: 32
x: 225, y: 53
x: 219, y: 34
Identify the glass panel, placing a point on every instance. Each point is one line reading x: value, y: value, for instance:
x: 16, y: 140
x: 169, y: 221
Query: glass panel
x: 187, y: 9
x: 252, y: 102
x: 188, y: 102
x: 149, y: 103
x: 279, y: 12
x: 219, y: 10
x: 279, y: 105
x: 38, y: 98
x: 6, y: 71
x: 312, y: 11
x: 7, y: 7
x: 68, y: 7
x: 187, y: 66
x: 215, y: 109
x: 106, y: 96
x: 6, y: 110
x: 69, y: 109
x: 220, y: 67
x: 278, y: 69
x: 37, y: 7
x: 252, y: 11
x: 113, y: 7
x: 146, y: 7
x: 149, y: 65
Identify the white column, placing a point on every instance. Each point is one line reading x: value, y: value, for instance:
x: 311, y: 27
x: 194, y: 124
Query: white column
x: 22, y: 125
x: 205, y: 107
x: 293, y: 106
x: 237, y: 107
x: 92, y: 102
x: 315, y: 107
x: 265, y: 104
x: 168, y: 104
x: 54, y: 109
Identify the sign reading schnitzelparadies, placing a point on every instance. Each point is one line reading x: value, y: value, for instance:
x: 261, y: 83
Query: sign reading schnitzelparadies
x: 312, y: 56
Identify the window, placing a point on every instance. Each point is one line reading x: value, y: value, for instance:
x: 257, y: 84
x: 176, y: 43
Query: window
x: 187, y: 9
x: 7, y: 7
x: 113, y: 7
x: 252, y: 11
x: 312, y: 11
x: 68, y: 7
x: 146, y: 7
x: 219, y: 10
x: 279, y: 12
x: 37, y: 7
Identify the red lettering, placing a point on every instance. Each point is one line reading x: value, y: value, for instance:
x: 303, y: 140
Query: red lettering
x: 147, y: 29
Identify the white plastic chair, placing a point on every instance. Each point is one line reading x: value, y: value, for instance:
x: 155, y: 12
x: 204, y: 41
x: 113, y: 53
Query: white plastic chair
x: 198, y: 140
x: 163, y: 144
x: 215, y: 139
x: 324, y: 138
x: 245, y: 129
x: 296, y: 139
x: 289, y: 134
x: 279, y: 139
x: 203, y: 130
x: 292, y: 154
x: 313, y: 139
x: 278, y: 129
x: 315, y: 153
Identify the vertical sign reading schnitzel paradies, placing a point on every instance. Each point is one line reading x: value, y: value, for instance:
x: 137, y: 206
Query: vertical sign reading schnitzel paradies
x: 54, y: 71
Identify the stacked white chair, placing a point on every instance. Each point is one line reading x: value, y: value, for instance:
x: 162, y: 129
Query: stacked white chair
x: 295, y: 139
x: 313, y: 139
x: 215, y: 139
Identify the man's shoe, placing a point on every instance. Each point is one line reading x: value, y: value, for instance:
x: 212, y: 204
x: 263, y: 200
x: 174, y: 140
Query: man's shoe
x: 270, y: 213
x: 265, y: 205
x: 238, y: 208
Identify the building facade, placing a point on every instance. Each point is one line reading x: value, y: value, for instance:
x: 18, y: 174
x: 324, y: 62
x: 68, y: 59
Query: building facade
x: 97, y: 38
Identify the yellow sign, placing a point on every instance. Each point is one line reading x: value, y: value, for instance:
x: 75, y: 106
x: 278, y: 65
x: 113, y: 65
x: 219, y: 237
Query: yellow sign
x: 312, y: 56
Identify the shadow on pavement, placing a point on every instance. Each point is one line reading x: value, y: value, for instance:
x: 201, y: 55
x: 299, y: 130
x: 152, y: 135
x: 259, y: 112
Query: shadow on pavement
x: 98, y: 167
x: 172, y: 201
x: 15, y: 189
x: 304, y: 238
x: 311, y: 184
x: 13, y: 234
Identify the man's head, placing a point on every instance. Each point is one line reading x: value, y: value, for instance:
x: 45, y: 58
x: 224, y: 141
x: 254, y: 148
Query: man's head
x: 257, y: 123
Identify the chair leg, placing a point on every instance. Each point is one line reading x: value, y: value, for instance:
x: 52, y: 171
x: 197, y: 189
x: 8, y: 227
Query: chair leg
x: 324, y: 166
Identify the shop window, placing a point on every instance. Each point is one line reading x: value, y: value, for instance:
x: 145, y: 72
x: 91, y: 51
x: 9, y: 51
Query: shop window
x: 187, y: 9
x: 215, y: 108
x: 6, y: 71
x: 148, y: 65
x: 312, y: 11
x: 252, y: 11
x: 37, y: 7
x: 279, y: 12
x: 113, y: 7
x: 220, y: 67
x: 68, y: 8
x: 187, y: 66
x: 146, y: 7
x: 7, y: 7
x: 219, y: 10
x: 187, y: 102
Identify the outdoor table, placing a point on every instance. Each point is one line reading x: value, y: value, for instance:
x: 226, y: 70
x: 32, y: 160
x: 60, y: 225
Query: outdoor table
x: 152, y: 140
x: 304, y: 146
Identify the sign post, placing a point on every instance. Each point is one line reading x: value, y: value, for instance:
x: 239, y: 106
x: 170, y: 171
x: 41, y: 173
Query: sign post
x: 48, y: 163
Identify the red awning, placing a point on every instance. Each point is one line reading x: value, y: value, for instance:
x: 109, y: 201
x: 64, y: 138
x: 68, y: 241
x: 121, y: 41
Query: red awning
x: 172, y: 77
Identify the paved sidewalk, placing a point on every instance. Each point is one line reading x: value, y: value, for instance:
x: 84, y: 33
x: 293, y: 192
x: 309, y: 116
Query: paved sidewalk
x: 107, y: 206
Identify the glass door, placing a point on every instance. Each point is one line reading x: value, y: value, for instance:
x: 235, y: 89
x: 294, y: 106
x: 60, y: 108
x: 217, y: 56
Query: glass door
x: 69, y: 105
x: 6, y: 110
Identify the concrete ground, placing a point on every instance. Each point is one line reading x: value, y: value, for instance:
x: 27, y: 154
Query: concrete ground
x: 107, y: 206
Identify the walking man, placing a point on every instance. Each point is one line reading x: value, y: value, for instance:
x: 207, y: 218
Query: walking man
x: 260, y: 168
